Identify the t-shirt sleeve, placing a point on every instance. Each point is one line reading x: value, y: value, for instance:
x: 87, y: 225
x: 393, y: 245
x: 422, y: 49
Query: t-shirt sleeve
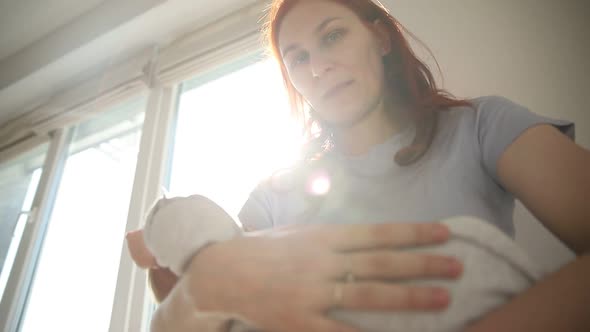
x: 500, y: 121
x: 256, y: 212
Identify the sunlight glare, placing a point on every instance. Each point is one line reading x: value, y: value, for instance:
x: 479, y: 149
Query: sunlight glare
x: 231, y: 133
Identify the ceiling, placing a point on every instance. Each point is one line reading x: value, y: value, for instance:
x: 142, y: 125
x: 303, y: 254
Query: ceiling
x: 46, y: 49
x: 22, y: 22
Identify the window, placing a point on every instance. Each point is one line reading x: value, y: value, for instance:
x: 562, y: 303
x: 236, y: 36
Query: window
x: 233, y: 129
x: 19, y: 179
x: 78, y: 264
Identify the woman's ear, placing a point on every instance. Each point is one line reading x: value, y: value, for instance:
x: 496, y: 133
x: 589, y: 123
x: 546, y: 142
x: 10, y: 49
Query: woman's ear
x: 382, y: 36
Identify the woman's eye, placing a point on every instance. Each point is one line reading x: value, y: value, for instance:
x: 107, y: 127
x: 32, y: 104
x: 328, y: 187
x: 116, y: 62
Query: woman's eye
x: 299, y: 59
x: 333, y: 37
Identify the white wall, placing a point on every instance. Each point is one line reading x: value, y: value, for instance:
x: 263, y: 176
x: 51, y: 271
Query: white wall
x: 534, y: 52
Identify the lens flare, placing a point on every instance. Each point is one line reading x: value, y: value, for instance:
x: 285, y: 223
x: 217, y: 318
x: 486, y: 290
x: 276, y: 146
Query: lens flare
x: 319, y: 184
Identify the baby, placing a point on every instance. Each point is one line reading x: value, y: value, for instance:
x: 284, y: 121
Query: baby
x: 495, y: 268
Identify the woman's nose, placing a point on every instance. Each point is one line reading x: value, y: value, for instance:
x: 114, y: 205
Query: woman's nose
x: 320, y: 66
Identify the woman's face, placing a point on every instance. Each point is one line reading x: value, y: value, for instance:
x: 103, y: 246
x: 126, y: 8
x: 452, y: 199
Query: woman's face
x: 334, y: 60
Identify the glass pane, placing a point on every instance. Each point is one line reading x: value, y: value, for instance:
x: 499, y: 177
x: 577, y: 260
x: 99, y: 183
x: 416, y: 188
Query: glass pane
x: 231, y: 132
x: 74, y: 283
x: 19, y: 179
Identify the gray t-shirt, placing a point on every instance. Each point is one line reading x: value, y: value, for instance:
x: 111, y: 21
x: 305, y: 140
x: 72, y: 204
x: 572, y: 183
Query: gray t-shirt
x: 456, y: 177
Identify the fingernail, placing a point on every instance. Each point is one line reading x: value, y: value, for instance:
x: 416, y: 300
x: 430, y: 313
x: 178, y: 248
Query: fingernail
x: 440, y: 232
x: 441, y: 298
x: 455, y: 268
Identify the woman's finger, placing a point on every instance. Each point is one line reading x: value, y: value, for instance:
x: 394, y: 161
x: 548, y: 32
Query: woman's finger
x: 383, y: 296
x: 373, y: 236
x: 389, y: 264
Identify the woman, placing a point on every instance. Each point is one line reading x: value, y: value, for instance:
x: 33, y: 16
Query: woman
x: 396, y: 152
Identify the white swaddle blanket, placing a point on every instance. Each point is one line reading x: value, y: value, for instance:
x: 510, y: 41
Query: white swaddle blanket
x: 495, y: 268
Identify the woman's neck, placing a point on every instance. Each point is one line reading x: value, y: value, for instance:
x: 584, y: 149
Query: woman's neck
x: 374, y: 129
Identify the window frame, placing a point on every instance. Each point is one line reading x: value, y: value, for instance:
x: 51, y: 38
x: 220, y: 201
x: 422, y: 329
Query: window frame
x: 28, y: 252
x: 207, y: 49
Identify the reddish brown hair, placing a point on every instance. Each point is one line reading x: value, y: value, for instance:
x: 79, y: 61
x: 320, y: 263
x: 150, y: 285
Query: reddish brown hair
x: 409, y: 79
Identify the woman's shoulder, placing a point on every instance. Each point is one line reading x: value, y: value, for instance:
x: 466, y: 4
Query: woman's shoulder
x: 483, y: 113
x: 483, y: 105
x: 494, y: 122
x: 280, y: 181
x: 491, y: 102
x: 267, y: 202
x: 492, y: 115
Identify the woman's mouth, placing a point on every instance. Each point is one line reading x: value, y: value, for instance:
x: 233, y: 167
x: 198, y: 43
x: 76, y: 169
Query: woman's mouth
x: 337, y: 89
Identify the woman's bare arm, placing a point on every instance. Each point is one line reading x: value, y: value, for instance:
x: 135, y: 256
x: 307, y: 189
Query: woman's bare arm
x: 558, y: 303
x: 177, y: 311
x: 549, y: 174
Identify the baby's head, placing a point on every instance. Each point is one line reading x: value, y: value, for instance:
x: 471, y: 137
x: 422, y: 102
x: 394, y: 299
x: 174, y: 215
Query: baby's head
x: 160, y: 280
x: 175, y: 229
x: 139, y: 252
x: 136, y: 243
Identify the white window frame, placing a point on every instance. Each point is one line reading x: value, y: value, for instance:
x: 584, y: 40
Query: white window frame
x: 22, y: 272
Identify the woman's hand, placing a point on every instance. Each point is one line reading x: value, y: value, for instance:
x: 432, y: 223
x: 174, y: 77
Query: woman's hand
x: 286, y: 280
